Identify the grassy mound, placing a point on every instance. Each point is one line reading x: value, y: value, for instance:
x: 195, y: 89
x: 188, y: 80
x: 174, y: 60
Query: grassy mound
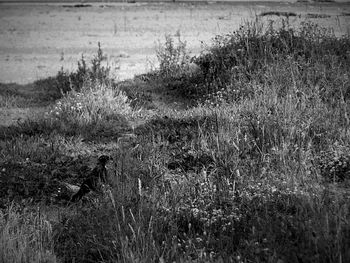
x: 308, y: 60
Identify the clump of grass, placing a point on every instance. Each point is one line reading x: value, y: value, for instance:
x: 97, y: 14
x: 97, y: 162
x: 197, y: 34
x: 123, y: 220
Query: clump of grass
x: 91, y: 105
x: 26, y: 236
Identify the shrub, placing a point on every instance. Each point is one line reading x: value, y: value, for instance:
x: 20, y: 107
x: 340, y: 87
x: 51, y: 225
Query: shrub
x: 173, y: 57
x: 65, y: 81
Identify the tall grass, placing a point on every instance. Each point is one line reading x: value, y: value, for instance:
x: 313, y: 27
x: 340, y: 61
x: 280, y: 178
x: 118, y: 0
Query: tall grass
x: 26, y: 236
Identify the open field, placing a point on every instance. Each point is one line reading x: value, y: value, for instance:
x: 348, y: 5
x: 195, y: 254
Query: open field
x: 239, y: 154
x: 36, y: 40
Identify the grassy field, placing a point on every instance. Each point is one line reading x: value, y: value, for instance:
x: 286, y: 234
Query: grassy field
x: 238, y: 154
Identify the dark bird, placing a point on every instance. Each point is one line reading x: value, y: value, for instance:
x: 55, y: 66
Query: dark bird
x: 95, y: 179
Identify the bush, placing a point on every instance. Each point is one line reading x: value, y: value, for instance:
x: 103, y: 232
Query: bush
x: 65, y: 81
x: 172, y: 57
x: 90, y: 101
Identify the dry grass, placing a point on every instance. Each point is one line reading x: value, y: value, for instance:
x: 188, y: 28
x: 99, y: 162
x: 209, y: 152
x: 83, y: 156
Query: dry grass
x: 26, y: 236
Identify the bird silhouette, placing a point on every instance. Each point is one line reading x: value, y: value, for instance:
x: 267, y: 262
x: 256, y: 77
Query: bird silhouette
x: 95, y: 179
